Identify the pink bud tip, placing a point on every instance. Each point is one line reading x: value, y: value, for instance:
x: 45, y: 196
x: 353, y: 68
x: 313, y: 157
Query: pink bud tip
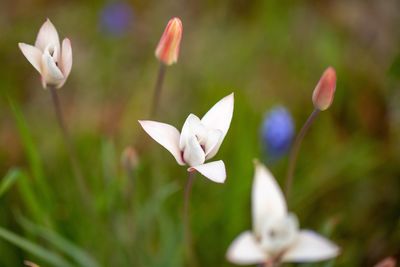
x: 325, y: 90
x: 167, y: 50
x: 388, y: 262
x: 129, y: 158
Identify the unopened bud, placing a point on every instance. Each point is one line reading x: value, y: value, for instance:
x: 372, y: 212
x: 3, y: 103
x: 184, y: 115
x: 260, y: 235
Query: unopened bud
x: 388, y: 262
x: 129, y: 158
x: 168, y: 48
x: 325, y: 90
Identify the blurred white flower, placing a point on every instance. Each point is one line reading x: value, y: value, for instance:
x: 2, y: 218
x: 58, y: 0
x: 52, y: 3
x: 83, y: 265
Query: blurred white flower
x: 52, y: 60
x: 199, y: 140
x: 276, y: 236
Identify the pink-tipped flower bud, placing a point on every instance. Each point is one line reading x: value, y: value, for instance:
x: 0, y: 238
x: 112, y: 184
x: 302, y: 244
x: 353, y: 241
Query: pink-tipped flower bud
x: 325, y: 90
x: 129, y: 158
x: 168, y: 48
x: 388, y: 262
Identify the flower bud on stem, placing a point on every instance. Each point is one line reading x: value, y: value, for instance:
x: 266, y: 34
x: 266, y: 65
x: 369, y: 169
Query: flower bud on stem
x: 322, y: 98
x: 167, y: 52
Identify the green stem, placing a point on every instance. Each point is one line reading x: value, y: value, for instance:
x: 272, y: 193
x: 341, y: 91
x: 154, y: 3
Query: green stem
x: 295, y: 151
x: 269, y: 264
x: 186, y: 220
x: 69, y: 144
x: 158, y: 89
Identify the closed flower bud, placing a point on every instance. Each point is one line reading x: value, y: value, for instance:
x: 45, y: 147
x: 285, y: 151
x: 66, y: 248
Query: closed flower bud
x: 388, y: 262
x: 325, y: 90
x: 129, y: 158
x: 168, y: 48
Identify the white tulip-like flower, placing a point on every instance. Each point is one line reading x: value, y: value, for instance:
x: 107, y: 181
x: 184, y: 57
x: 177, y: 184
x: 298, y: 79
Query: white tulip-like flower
x: 199, y: 140
x: 52, y: 60
x: 276, y: 236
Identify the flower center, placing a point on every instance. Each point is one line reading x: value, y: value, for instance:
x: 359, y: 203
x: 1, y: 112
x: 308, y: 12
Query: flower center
x: 279, y: 233
x: 201, y: 137
x: 53, y: 52
x: 197, y: 141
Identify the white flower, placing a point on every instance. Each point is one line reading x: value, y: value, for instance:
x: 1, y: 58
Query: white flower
x: 199, y: 140
x: 52, y: 60
x: 276, y: 236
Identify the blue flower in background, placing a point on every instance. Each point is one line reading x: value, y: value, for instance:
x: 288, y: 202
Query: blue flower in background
x: 116, y: 18
x: 277, y: 132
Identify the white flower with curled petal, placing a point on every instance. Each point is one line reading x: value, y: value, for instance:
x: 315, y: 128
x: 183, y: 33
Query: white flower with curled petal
x: 52, y: 60
x: 199, y: 140
x: 276, y: 236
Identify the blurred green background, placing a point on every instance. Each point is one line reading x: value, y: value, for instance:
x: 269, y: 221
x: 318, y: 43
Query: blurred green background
x: 347, y: 183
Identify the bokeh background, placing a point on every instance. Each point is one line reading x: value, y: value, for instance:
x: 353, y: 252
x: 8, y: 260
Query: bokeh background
x: 270, y: 53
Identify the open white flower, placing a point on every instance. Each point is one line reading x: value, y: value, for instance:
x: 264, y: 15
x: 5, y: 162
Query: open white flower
x: 199, y: 140
x: 52, y: 60
x: 276, y: 236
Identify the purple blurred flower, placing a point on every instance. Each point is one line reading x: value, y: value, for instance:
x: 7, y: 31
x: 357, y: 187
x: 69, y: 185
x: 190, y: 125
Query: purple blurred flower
x: 116, y: 18
x: 277, y: 132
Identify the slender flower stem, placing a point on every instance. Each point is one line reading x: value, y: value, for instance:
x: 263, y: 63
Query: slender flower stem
x: 295, y: 151
x: 265, y: 264
x: 131, y: 177
x: 158, y: 89
x: 141, y: 145
x: 269, y: 264
x: 69, y: 144
x: 186, y: 220
x: 188, y: 191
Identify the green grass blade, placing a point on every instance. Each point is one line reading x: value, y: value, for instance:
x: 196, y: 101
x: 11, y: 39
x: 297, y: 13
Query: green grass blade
x: 28, y: 196
x: 31, y: 150
x: 40, y: 252
x: 8, y: 181
x: 67, y: 247
x: 150, y: 210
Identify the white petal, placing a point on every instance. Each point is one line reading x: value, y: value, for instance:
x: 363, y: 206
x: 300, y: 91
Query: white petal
x: 267, y: 197
x: 32, y: 54
x: 310, y: 247
x: 215, y: 171
x: 47, y: 35
x: 166, y: 135
x: 66, y: 58
x: 193, y: 153
x: 245, y: 250
x: 219, y: 117
x: 191, y: 126
x: 51, y: 74
x: 213, y: 139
